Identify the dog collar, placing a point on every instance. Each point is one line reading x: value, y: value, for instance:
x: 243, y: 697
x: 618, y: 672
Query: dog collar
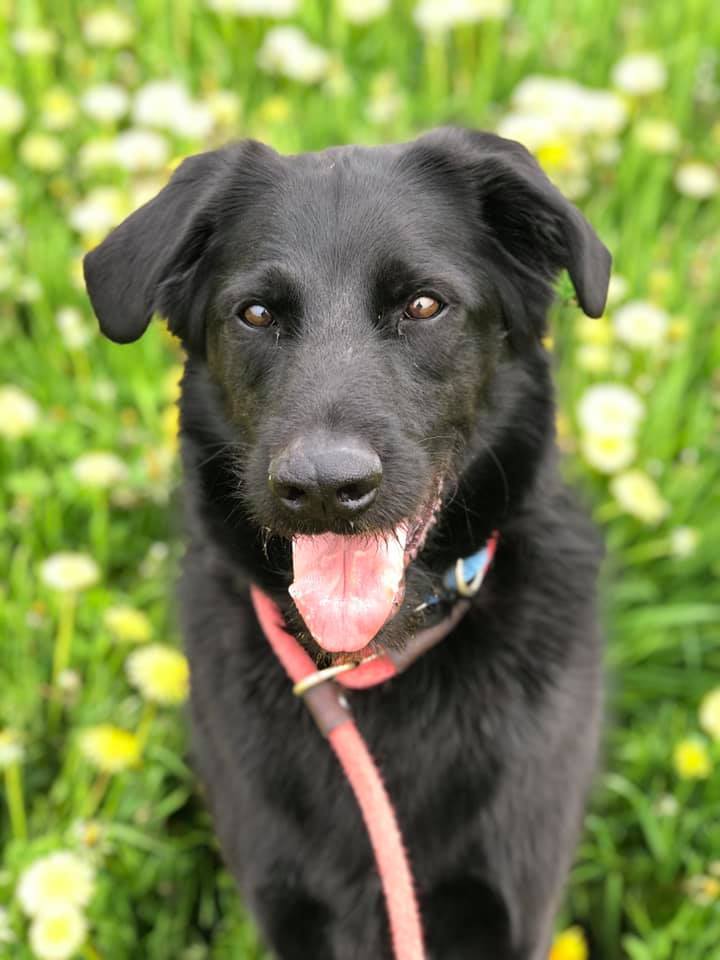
x: 459, y: 586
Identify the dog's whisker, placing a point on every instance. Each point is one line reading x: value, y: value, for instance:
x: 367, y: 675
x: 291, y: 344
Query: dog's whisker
x: 496, y: 460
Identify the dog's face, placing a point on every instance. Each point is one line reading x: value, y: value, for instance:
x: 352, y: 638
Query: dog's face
x: 357, y: 311
x: 348, y: 309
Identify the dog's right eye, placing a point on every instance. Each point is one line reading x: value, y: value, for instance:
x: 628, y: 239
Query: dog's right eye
x: 423, y: 307
x: 255, y: 315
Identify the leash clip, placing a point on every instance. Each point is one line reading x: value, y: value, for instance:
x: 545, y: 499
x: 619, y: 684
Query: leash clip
x: 325, y: 699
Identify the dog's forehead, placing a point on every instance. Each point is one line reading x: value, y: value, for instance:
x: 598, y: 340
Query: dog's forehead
x: 356, y: 203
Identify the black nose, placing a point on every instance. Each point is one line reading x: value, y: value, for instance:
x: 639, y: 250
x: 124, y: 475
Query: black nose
x: 325, y: 477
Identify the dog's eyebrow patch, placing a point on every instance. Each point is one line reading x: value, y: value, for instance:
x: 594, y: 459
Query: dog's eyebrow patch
x: 268, y: 283
x: 397, y: 279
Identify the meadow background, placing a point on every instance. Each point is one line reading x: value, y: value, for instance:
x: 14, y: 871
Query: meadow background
x: 107, y: 851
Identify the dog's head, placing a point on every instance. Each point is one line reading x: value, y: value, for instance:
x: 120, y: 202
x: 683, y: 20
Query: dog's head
x: 369, y: 323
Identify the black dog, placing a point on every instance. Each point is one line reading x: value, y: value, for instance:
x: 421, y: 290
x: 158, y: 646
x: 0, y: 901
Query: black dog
x: 364, y: 361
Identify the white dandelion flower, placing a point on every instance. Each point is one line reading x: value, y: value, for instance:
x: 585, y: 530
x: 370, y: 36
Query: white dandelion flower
x: 641, y: 324
x: 697, y: 180
x: 640, y: 74
x: 59, y: 879
x: 610, y: 408
x: 105, y: 102
x: 140, y: 151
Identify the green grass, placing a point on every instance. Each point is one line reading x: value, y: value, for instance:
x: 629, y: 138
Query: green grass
x: 159, y: 890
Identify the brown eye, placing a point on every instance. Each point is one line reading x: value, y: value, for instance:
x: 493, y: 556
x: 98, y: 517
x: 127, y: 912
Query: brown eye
x: 422, y: 307
x: 256, y: 315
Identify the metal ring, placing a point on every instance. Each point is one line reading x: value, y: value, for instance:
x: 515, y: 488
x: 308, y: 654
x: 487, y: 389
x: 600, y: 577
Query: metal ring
x: 329, y: 673
x: 463, y: 588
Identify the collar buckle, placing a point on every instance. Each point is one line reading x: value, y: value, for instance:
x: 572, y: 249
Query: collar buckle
x: 467, y: 588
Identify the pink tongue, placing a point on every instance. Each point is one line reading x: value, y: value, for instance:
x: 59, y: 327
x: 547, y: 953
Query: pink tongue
x: 344, y: 587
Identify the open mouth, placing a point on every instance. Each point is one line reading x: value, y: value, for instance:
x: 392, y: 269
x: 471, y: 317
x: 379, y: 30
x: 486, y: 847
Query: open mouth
x: 347, y: 587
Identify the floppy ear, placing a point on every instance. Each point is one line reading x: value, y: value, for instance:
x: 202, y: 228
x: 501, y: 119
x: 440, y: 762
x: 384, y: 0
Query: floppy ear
x: 141, y: 264
x: 531, y: 219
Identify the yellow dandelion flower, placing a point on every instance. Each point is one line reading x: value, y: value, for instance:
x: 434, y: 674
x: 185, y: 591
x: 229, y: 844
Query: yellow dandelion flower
x: 703, y: 889
x: 58, y: 933
x: 709, y: 713
x: 172, y: 382
x: 69, y: 572
x: 570, y: 945
x: 595, y: 331
x: 60, y: 879
x: 128, y: 624
x: 274, y: 110
x: 678, y: 329
x: 160, y: 673
x: 110, y: 748
x: 171, y: 426
x: 691, y: 759
x: 554, y: 153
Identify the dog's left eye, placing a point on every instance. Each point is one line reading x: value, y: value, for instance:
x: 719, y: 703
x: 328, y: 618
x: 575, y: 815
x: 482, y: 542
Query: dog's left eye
x: 256, y: 315
x: 422, y: 307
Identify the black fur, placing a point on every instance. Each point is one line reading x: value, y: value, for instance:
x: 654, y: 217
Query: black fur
x: 487, y: 744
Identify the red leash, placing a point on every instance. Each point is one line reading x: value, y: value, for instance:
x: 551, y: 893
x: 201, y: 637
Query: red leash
x: 367, y: 785
x: 329, y: 707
